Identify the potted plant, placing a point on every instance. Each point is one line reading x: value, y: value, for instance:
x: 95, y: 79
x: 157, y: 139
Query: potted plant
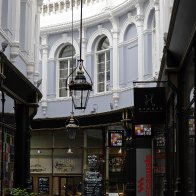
x: 20, y: 192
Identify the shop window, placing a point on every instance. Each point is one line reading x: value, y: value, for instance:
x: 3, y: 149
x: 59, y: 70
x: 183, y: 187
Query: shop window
x: 94, y: 138
x: 41, y: 139
x: 41, y: 161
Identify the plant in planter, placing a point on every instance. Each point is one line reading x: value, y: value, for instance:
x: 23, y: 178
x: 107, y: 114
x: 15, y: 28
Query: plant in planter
x: 20, y: 192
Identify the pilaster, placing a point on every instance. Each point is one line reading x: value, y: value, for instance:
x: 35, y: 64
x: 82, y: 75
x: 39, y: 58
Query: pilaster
x: 14, y: 48
x: 44, y: 45
x: 139, y: 24
x: 37, y: 42
x: 115, y: 82
x: 158, y: 37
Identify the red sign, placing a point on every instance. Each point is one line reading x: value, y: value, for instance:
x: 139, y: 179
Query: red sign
x: 148, y: 163
x: 144, y: 172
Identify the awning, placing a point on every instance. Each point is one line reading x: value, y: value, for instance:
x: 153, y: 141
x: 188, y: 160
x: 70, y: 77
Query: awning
x: 16, y: 85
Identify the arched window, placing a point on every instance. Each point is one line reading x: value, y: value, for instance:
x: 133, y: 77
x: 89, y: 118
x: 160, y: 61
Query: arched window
x: 103, y: 65
x: 65, y: 68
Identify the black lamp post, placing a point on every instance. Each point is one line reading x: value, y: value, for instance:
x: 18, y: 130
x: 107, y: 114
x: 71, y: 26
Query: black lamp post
x: 130, y: 164
x: 79, y: 87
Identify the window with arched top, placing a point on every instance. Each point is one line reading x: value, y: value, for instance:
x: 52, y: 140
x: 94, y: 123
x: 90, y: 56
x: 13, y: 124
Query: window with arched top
x: 103, y: 65
x: 65, y: 68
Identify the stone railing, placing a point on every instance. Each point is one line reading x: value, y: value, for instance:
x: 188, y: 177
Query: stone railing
x: 63, y: 5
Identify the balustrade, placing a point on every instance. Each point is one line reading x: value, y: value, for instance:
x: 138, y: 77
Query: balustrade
x: 63, y: 5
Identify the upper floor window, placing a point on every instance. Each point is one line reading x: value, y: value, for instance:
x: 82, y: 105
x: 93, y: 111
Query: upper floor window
x: 103, y: 65
x: 65, y: 68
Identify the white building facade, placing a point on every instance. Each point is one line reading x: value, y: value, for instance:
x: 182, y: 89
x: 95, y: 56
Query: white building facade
x: 122, y: 42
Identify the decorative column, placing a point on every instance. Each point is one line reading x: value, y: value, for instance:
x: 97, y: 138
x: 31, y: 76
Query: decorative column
x: 44, y: 44
x: 139, y: 24
x: 158, y: 38
x: 37, y: 42
x: 115, y: 58
x: 14, y: 49
x: 31, y: 35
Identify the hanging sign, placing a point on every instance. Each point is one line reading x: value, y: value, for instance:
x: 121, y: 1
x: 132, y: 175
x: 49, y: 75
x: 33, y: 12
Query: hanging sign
x: 149, y: 105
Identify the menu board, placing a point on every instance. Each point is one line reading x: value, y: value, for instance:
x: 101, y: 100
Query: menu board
x: 43, y: 186
x: 93, y: 179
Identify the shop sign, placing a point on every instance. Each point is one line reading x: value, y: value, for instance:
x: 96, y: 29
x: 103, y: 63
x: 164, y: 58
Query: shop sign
x: 149, y: 105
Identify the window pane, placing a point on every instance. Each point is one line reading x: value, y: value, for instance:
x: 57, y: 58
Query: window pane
x: 101, y: 67
x: 103, y: 44
x: 63, y: 64
x: 61, y: 83
x: 72, y: 69
x: 101, y: 87
x: 101, y: 77
x: 63, y: 73
x: 107, y: 55
x: 67, y: 51
x: 107, y: 66
x: 62, y: 92
x: 108, y: 86
x: 101, y: 58
x: 108, y: 76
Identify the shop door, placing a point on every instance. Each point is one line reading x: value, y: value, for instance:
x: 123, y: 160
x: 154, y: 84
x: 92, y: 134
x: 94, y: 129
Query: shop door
x: 70, y: 186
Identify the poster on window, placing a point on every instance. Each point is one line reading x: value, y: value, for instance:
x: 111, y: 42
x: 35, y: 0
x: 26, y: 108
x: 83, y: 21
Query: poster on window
x: 116, y: 138
x: 143, y: 130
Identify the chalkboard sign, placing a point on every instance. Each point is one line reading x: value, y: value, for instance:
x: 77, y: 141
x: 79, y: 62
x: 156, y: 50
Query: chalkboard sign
x: 43, y: 186
x: 93, y: 179
x: 93, y: 184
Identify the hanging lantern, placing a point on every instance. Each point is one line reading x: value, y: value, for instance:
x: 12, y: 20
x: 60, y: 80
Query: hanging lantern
x: 80, y: 88
x: 72, y: 125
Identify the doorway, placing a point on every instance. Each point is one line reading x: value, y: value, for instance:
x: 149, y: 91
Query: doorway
x: 70, y: 185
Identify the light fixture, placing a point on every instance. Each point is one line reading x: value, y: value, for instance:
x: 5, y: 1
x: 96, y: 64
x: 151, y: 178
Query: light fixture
x: 72, y: 125
x: 79, y: 87
x: 38, y: 151
x: 69, y: 151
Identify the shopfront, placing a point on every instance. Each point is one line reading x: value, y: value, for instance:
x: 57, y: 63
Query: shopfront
x: 68, y: 165
x: 178, y: 68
